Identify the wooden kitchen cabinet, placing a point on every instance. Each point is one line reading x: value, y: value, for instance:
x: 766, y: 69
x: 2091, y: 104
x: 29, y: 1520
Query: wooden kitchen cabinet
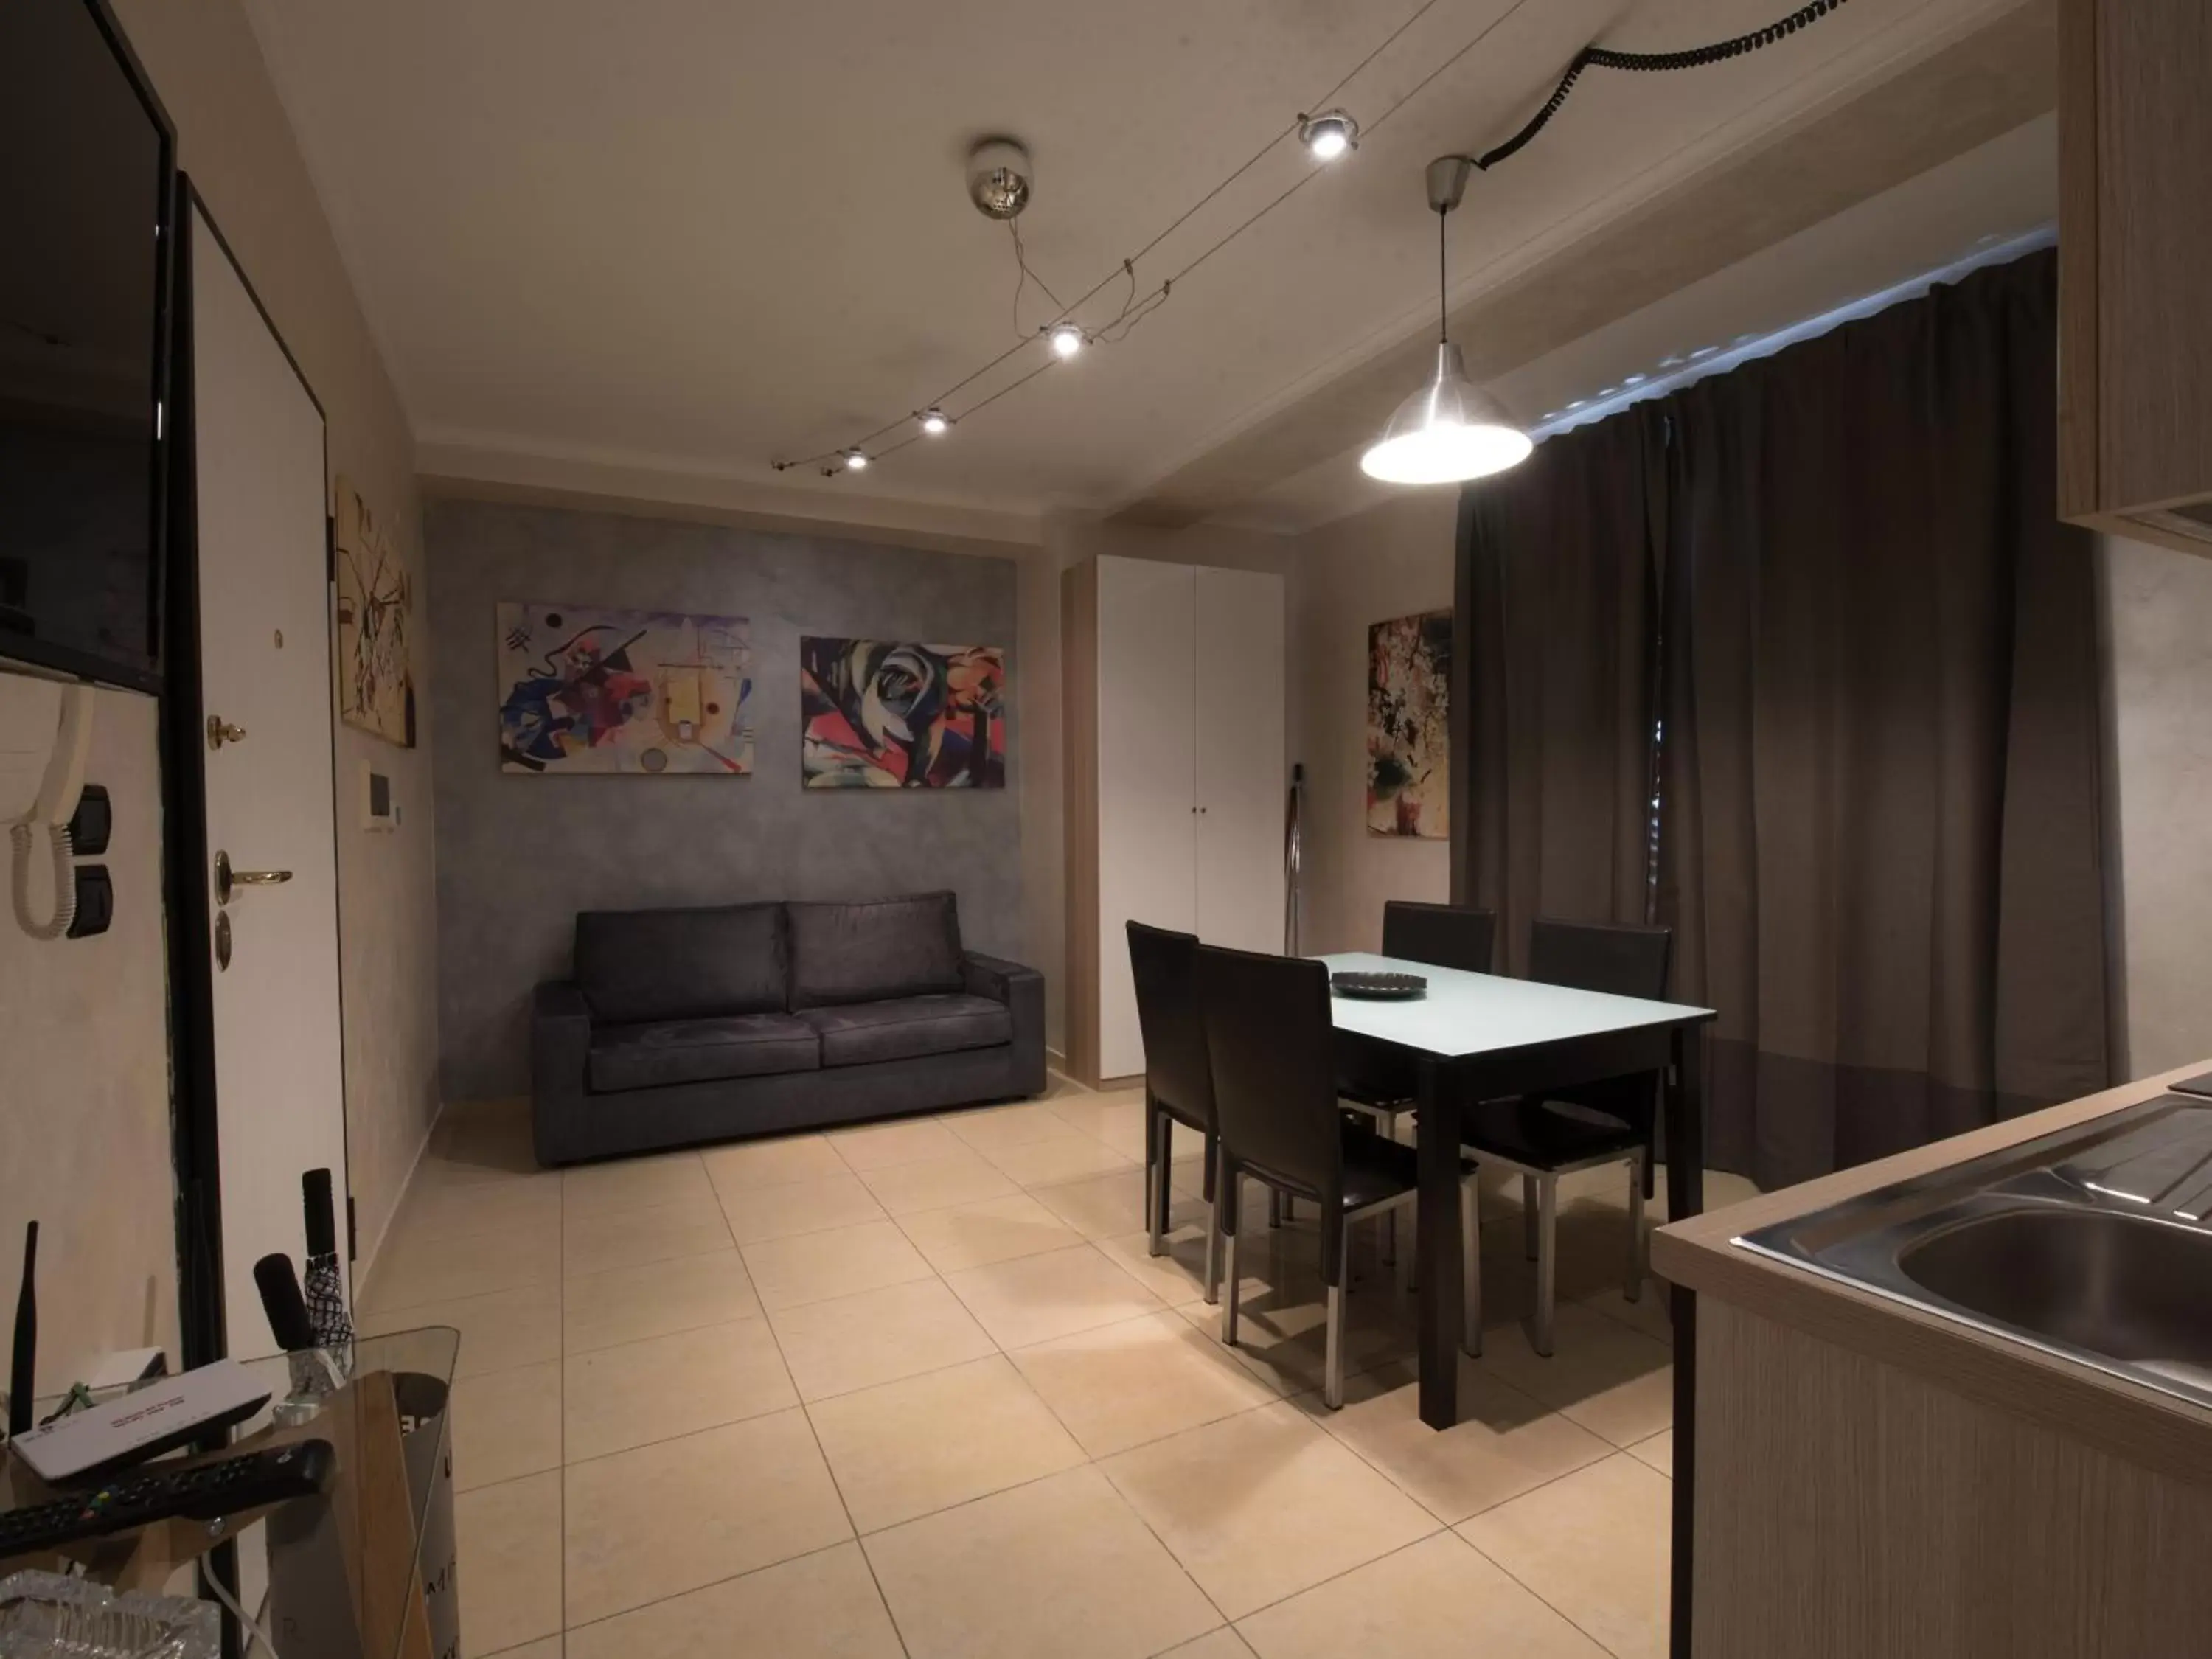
x: 2135, y: 332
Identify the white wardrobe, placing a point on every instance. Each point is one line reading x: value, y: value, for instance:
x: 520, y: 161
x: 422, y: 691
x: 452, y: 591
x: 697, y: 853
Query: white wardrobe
x: 1176, y: 778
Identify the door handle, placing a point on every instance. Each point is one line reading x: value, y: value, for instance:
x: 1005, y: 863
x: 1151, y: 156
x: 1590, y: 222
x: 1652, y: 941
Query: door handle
x: 227, y: 880
x: 221, y: 731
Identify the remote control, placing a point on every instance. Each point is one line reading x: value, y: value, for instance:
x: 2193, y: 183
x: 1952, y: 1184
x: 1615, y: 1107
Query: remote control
x: 205, y: 1492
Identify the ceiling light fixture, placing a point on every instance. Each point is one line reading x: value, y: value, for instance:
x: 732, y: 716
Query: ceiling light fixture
x: 1067, y: 339
x: 1328, y: 135
x: 935, y: 423
x: 856, y: 460
x: 1450, y: 430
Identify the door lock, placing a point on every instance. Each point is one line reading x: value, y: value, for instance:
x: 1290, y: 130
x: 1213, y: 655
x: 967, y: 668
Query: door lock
x: 227, y: 880
x: 221, y: 731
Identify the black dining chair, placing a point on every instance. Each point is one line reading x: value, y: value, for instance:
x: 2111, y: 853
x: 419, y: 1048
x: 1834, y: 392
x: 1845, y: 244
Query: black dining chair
x: 1268, y: 1038
x: 1178, y: 1084
x: 1442, y: 936
x: 1590, y: 1125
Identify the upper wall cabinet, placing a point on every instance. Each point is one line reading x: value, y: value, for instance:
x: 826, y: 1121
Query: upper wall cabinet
x: 1175, y: 778
x: 2134, y: 128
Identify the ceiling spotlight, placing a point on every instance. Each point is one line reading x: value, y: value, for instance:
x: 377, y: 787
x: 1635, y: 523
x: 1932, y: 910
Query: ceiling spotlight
x: 1067, y: 339
x: 935, y: 423
x: 856, y: 460
x: 1328, y: 135
x: 1448, y: 430
x: 998, y: 178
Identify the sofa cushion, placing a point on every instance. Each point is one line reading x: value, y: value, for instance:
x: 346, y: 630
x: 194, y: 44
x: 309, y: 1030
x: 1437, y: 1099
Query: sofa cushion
x: 636, y: 965
x: 873, y: 949
x: 907, y: 1028
x: 700, y: 1050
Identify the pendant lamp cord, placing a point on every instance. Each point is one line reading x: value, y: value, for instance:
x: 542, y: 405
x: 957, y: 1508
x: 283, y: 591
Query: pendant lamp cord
x: 1444, y: 285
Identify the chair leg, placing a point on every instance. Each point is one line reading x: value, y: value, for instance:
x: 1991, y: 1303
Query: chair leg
x: 1528, y: 1215
x: 1156, y: 1189
x: 1470, y: 1267
x: 1547, y: 1252
x: 1634, y: 1285
x: 1389, y: 1236
x: 1229, y: 1285
x: 1213, y: 1251
x: 1332, y: 1387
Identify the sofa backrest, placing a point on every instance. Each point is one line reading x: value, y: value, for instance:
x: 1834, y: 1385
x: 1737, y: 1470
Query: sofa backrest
x: 637, y: 965
x: 873, y: 949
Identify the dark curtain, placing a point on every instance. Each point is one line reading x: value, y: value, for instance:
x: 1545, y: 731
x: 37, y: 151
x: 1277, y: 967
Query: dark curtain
x: 1556, y: 681
x: 1880, y: 838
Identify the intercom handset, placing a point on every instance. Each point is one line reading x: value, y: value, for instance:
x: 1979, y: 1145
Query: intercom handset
x: 50, y: 815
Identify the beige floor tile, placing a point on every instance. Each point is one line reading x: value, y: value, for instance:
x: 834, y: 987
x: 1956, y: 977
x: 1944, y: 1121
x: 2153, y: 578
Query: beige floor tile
x: 1175, y: 1278
x: 608, y: 1239
x: 815, y: 1267
x: 746, y: 1165
x: 549, y: 1648
x: 505, y: 1424
x: 1001, y: 1127
x: 1060, y: 1566
x: 800, y: 1206
x: 1263, y: 1504
x: 413, y: 1272
x: 1123, y: 1385
x: 1100, y: 1116
x: 447, y: 1210
x: 1438, y: 1599
x: 635, y: 1183
x: 1658, y: 1452
x: 479, y: 1140
x: 1039, y: 1297
x: 1127, y: 1137
x: 617, y: 1398
x: 1593, y: 1545
x: 1614, y: 1382
x: 854, y: 1342
x: 1649, y: 1313
x: 603, y: 1310
x: 679, y: 1515
x: 510, y: 1536
x: 1222, y: 1643
x: 823, y: 1605
x: 1106, y: 1206
x: 1063, y: 1157
x: 1505, y: 1442
x: 501, y: 1329
x: 1282, y: 1331
x: 877, y: 1145
x: 995, y: 1230
x: 911, y: 1448
x: 932, y: 1183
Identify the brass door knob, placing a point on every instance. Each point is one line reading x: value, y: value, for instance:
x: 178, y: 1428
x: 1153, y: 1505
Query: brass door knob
x: 221, y: 731
x: 227, y: 880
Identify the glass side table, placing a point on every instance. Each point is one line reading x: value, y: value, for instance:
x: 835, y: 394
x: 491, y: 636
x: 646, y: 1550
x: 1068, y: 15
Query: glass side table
x: 365, y: 1569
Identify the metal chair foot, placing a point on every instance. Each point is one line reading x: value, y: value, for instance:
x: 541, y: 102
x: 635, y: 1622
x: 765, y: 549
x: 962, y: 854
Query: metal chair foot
x: 1547, y: 1250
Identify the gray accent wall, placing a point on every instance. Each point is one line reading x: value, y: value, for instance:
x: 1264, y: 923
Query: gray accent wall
x: 519, y: 856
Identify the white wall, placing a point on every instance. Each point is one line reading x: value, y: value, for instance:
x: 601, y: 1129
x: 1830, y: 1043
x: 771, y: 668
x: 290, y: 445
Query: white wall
x: 1391, y: 560
x: 2159, y: 616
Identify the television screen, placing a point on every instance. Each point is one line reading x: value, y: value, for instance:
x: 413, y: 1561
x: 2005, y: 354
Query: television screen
x: 83, y: 198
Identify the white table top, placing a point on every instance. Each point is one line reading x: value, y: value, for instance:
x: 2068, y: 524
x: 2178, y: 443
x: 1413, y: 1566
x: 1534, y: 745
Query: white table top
x: 1466, y: 1013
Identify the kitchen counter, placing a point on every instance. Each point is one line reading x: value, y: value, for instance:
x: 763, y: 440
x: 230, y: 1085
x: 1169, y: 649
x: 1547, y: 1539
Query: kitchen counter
x: 1876, y: 1478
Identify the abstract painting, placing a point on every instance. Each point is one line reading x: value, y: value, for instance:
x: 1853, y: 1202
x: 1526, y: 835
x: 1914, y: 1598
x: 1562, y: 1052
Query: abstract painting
x: 376, y: 682
x: 585, y: 688
x: 880, y: 715
x: 1409, y: 736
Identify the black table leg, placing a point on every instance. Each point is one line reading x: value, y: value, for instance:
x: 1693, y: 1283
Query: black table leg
x: 1441, y: 1303
x: 1685, y: 1197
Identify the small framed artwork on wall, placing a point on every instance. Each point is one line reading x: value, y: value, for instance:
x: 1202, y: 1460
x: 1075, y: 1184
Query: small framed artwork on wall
x: 1408, y: 727
x: 586, y: 689
x: 880, y: 715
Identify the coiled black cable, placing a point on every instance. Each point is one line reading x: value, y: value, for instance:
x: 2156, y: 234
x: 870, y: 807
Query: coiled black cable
x: 1596, y: 57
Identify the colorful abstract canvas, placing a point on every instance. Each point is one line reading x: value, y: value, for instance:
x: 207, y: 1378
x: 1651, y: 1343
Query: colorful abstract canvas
x: 376, y: 680
x: 883, y: 715
x: 1408, y: 731
x: 585, y: 688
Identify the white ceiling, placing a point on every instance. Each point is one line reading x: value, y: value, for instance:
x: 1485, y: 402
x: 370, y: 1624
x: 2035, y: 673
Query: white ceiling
x: 688, y: 237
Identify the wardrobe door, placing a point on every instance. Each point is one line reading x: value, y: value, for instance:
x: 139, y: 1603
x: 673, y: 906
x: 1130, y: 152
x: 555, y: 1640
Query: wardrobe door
x: 1147, y: 758
x: 1241, y: 771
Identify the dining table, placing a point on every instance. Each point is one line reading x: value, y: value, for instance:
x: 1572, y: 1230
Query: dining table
x: 1469, y: 1036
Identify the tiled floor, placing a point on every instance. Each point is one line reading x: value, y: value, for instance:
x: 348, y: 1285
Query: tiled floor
x: 918, y: 1389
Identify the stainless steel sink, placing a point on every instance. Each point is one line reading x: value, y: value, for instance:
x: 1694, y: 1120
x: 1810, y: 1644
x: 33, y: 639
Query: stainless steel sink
x: 2095, y: 1243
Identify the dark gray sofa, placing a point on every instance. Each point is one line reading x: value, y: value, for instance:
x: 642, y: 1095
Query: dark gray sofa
x: 682, y: 1026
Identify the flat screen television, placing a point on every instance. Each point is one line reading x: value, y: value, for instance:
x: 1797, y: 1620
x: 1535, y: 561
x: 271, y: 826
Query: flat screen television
x: 86, y: 200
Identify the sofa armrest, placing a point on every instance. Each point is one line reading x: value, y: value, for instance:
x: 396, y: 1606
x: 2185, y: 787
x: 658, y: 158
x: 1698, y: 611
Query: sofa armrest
x: 1021, y: 989
x: 995, y: 977
x: 560, y: 1051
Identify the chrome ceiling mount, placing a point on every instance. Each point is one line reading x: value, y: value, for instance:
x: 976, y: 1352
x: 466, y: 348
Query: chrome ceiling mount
x: 998, y: 179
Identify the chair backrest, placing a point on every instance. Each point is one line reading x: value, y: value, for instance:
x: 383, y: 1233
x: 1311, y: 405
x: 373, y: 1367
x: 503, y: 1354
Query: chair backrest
x: 1618, y: 959
x: 1165, y: 964
x: 1445, y: 935
x: 1270, y: 1042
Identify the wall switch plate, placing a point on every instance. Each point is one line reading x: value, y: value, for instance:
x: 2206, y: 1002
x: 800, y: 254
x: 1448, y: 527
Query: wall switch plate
x: 95, y: 901
x: 379, y: 808
x: 94, y: 823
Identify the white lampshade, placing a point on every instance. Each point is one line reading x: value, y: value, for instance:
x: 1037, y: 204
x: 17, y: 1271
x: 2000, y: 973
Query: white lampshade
x: 1447, y: 432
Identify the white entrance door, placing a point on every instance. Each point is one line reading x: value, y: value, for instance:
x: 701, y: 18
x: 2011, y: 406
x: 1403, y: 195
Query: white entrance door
x: 264, y: 652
